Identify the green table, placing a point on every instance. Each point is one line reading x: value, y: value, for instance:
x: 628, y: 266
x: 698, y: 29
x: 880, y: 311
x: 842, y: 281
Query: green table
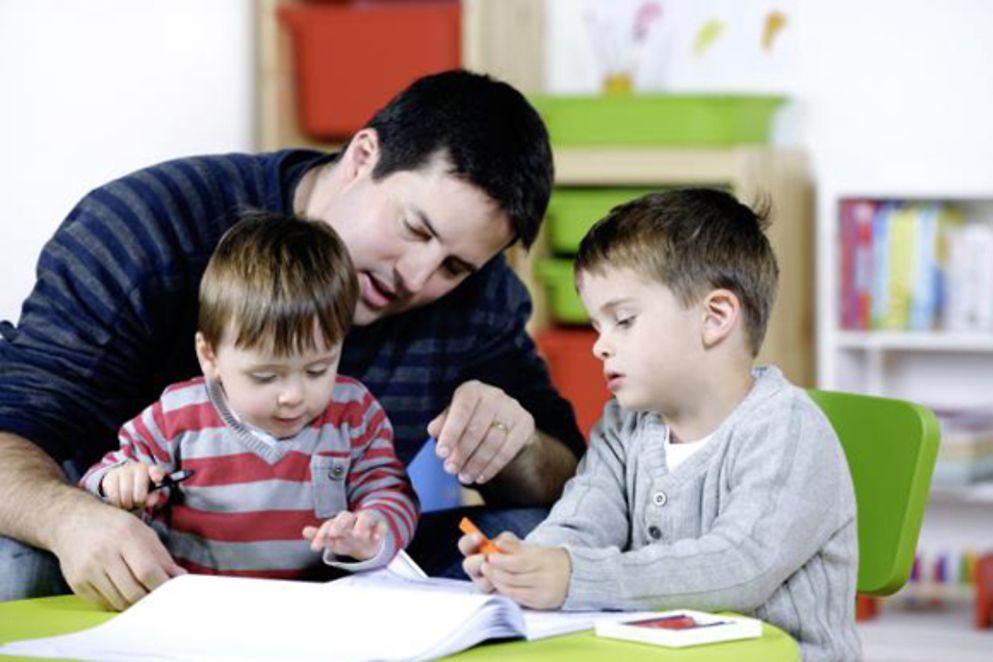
x: 44, y: 617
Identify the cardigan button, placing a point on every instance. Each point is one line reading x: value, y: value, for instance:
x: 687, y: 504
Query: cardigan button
x: 337, y: 471
x: 655, y: 532
x: 659, y: 499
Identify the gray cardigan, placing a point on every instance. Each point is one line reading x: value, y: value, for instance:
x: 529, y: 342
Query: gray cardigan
x: 760, y: 521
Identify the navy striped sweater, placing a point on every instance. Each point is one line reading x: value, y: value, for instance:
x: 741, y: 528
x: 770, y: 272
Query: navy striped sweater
x: 111, y: 319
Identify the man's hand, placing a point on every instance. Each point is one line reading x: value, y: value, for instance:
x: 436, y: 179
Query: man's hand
x: 110, y: 557
x: 127, y: 486
x: 358, y: 535
x: 481, y: 432
x: 533, y: 576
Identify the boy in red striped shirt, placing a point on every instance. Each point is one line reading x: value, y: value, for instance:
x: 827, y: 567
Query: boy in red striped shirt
x: 283, y: 449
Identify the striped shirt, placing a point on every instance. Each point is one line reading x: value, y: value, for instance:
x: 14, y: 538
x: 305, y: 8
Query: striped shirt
x: 244, y: 509
x: 111, y: 319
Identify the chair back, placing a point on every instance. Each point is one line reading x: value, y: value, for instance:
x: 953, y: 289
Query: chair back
x: 891, y: 446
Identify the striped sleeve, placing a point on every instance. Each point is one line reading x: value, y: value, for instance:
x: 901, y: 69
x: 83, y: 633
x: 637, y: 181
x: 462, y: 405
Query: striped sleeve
x: 377, y: 481
x: 145, y: 439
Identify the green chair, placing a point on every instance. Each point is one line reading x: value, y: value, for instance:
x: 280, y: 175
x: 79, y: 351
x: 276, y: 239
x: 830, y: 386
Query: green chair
x: 891, y: 446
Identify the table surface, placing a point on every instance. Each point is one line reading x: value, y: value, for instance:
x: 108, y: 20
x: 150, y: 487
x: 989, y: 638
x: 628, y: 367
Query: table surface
x: 44, y: 617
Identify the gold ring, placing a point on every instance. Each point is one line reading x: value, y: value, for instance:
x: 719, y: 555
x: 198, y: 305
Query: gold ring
x: 502, y: 427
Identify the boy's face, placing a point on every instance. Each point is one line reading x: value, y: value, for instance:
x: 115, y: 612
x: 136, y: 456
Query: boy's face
x: 413, y: 235
x: 279, y: 394
x: 648, y: 342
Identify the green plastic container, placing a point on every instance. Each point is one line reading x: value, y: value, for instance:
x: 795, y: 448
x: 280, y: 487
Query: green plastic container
x: 572, y: 211
x: 564, y: 301
x: 658, y: 119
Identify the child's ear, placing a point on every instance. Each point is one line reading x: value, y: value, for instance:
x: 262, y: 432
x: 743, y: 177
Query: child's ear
x: 207, y: 358
x: 721, y: 309
x: 362, y: 154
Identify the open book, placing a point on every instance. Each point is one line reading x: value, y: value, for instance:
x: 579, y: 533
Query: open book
x: 392, y: 614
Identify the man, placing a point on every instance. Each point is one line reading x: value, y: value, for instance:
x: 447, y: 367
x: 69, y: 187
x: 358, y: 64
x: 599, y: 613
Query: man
x: 451, y: 172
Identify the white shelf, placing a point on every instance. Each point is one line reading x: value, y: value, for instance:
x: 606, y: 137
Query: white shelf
x: 909, y: 341
x: 979, y: 493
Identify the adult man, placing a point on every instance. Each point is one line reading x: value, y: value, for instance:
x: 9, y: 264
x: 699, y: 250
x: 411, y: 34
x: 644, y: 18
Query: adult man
x: 426, y: 197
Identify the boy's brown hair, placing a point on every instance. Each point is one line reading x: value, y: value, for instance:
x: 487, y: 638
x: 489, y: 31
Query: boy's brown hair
x: 271, y: 279
x: 692, y: 241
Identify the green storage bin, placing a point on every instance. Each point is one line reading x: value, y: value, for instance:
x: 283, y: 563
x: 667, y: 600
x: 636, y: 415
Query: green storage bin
x: 564, y: 301
x: 572, y: 211
x: 658, y: 119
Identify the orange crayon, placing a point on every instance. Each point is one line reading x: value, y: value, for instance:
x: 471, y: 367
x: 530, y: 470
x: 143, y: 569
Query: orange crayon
x: 487, y: 546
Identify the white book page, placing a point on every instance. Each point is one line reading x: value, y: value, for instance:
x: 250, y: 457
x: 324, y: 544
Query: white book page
x: 389, y: 614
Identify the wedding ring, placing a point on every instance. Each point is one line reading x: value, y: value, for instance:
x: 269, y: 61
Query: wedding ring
x: 502, y: 427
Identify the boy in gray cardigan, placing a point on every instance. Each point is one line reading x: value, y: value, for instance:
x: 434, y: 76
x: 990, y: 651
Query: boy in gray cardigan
x: 708, y: 483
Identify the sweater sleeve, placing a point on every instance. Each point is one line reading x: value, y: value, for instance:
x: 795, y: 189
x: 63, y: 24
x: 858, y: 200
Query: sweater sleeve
x: 789, y: 492
x: 142, y: 439
x: 592, y: 511
x: 378, y: 483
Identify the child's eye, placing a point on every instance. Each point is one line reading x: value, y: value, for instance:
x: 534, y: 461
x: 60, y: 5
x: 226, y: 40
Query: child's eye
x: 263, y: 377
x: 625, y: 322
x: 317, y: 372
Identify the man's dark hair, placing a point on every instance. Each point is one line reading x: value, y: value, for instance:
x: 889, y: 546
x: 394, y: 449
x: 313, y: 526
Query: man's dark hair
x: 489, y: 133
x: 691, y: 241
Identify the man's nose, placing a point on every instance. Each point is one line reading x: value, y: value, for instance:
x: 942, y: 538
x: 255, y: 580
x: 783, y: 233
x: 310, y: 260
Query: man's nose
x: 415, y: 272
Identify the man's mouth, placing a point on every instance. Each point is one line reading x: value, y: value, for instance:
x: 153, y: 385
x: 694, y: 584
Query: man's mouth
x: 376, y: 293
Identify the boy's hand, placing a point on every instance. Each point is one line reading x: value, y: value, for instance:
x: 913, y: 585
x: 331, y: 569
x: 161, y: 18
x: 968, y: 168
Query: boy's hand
x: 129, y: 486
x: 533, y: 576
x: 469, y: 545
x: 359, y: 535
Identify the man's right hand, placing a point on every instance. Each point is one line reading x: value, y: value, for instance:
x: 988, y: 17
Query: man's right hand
x: 109, y: 556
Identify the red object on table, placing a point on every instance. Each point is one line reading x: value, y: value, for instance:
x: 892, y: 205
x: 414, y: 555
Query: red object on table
x: 351, y: 59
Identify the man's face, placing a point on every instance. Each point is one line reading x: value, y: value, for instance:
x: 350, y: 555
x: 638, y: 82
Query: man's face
x: 413, y: 235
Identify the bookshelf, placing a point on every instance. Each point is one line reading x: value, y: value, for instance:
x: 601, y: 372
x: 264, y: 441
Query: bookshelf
x: 939, y: 368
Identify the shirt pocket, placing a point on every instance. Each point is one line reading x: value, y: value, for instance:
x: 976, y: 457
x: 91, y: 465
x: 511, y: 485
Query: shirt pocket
x: 328, y: 478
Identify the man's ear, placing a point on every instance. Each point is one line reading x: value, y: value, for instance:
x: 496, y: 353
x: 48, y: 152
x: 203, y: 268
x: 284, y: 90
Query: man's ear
x: 361, y: 155
x: 207, y: 358
x: 721, y: 310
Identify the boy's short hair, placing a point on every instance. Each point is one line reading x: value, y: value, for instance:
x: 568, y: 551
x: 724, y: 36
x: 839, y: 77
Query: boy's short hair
x: 488, y: 132
x: 272, y: 280
x: 692, y: 241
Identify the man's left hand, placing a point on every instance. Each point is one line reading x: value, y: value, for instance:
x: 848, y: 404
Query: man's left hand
x: 481, y: 432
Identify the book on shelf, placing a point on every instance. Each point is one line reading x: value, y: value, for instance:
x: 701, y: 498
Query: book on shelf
x: 914, y: 266
x: 390, y: 614
x: 681, y: 628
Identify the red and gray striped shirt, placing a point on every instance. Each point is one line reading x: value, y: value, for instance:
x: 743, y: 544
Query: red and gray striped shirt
x: 243, y: 510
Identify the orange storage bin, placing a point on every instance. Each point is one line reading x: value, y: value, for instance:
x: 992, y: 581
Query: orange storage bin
x: 351, y: 59
x: 576, y: 373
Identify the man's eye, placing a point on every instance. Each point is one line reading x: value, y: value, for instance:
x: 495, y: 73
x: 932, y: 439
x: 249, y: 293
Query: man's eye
x: 454, y: 269
x: 262, y: 378
x: 414, y: 231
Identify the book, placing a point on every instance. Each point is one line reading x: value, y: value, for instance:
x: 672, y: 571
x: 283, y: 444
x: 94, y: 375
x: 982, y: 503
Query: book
x: 396, y: 613
x: 681, y: 628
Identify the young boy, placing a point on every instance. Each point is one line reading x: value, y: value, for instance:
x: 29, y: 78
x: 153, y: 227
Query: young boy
x: 707, y: 484
x: 281, y: 447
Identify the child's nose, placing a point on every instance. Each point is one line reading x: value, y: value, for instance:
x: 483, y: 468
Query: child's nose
x: 600, y: 349
x: 291, y: 394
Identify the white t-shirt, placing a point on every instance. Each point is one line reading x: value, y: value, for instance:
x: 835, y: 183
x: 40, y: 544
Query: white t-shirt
x: 679, y: 452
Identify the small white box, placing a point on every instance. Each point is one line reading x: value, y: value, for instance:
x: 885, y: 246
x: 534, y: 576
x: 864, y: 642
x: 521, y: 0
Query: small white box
x: 681, y: 627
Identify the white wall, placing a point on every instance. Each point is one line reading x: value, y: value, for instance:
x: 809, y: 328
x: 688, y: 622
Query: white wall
x: 895, y: 93
x: 93, y: 89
